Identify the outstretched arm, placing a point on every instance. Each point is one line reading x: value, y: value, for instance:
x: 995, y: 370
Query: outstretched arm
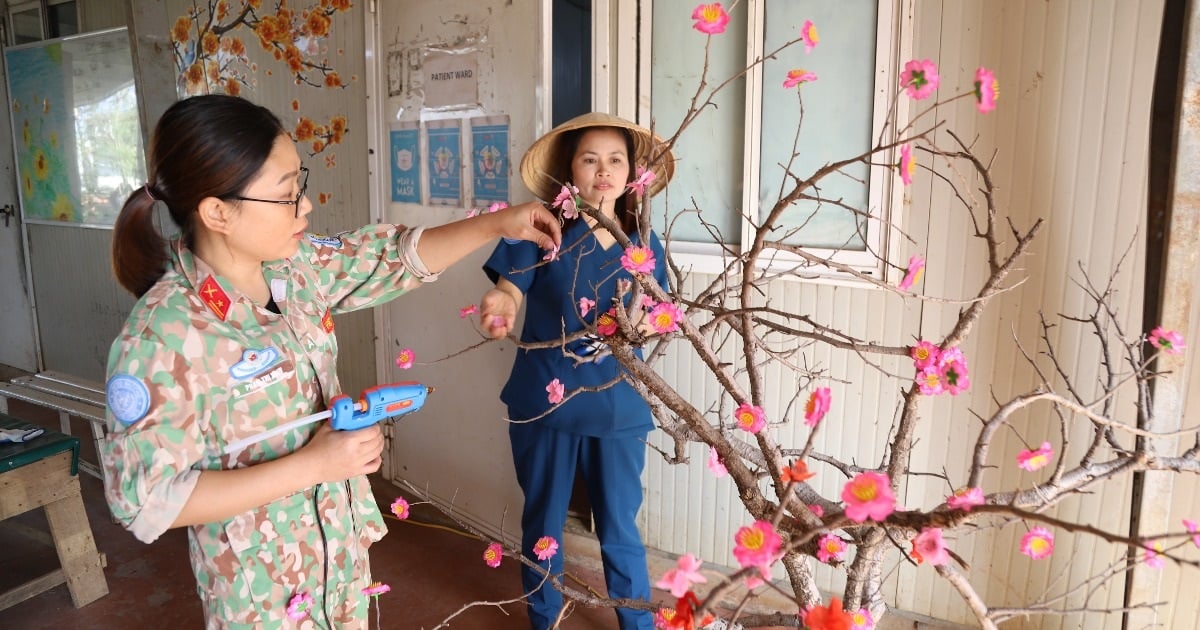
x: 445, y: 245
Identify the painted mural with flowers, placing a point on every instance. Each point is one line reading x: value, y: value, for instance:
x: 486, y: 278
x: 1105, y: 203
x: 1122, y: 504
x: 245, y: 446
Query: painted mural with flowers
x: 44, y: 164
x: 229, y: 47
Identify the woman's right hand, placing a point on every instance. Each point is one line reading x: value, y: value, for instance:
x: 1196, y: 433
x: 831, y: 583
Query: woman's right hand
x: 497, y: 313
x: 340, y: 455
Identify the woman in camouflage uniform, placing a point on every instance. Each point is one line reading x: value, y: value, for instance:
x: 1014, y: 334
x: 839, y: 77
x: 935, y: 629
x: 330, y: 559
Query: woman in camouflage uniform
x: 233, y: 335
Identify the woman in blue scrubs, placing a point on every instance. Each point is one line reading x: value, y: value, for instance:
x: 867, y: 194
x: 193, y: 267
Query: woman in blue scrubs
x: 599, y: 434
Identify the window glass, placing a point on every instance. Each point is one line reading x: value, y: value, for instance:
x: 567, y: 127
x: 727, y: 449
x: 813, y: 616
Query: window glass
x: 837, y: 111
x: 710, y: 153
x: 836, y: 123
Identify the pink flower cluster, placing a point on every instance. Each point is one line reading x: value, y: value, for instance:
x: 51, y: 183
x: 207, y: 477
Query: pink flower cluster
x: 757, y: 545
x: 940, y: 371
x: 1168, y: 341
x: 545, y: 548
x: 869, y: 496
x: 493, y: 555
x: 830, y: 548
x: 818, y: 405
x: 568, y: 201
x: 679, y: 580
x: 750, y: 418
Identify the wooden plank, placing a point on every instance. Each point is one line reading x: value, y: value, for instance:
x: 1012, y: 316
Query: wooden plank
x: 32, y: 588
x: 37, y: 484
x: 77, y: 548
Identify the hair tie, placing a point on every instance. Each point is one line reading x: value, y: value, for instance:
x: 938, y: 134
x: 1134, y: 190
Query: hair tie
x: 150, y: 192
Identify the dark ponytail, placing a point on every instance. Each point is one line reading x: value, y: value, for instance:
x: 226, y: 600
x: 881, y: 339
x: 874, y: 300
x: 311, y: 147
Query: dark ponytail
x: 204, y: 146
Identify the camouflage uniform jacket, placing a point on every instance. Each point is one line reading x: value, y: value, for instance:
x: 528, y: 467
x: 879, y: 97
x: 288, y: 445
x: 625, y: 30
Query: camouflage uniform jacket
x: 198, y: 366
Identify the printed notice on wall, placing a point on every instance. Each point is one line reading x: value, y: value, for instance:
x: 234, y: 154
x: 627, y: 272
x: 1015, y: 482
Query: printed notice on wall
x: 451, y: 79
x: 406, y: 167
x: 489, y: 159
x: 445, y: 162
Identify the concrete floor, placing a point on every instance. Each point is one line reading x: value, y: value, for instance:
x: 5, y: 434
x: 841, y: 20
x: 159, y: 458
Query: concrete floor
x: 433, y: 571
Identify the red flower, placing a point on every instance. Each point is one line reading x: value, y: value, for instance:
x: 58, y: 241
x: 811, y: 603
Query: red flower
x: 831, y: 618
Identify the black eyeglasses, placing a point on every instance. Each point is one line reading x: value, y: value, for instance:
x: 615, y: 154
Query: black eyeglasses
x: 288, y: 202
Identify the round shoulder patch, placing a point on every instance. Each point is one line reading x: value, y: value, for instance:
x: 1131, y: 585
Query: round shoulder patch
x: 128, y: 398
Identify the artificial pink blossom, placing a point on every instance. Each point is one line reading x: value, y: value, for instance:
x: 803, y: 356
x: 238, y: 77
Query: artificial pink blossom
x: 966, y: 498
x: 1038, y: 543
x: 467, y: 311
x: 1168, y: 341
x: 496, y: 207
x: 585, y: 306
x: 925, y: 355
x: 916, y: 269
x: 400, y: 508
x: 830, y: 548
x: 757, y: 545
x: 798, y: 76
x: 1154, y: 554
x: 1193, y: 530
x: 644, y: 178
x: 493, y: 554
x: 750, y: 418
x: 930, y: 381
x: 299, y: 606
x: 555, y: 390
x: 648, y: 302
x: 664, y: 317
x: 907, y: 165
x: 551, y: 255
x: 566, y: 201
x: 868, y: 496
x: 808, y: 33
x: 376, y: 589
x: 953, y: 366
x: 815, y: 508
x: 715, y: 464
x: 930, y: 546
x: 862, y: 620
x: 710, y: 18
x: 545, y: 548
x: 638, y: 259
x: 404, y: 360
x: 606, y: 323
x: 679, y: 580
x: 817, y: 406
x: 920, y: 78
x: 1034, y: 460
x: 987, y: 90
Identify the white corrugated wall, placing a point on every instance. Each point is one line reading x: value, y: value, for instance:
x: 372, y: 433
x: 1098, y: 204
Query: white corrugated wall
x: 1071, y: 139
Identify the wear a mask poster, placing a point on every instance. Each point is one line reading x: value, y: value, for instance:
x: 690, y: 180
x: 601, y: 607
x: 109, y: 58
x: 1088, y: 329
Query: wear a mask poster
x: 406, y: 164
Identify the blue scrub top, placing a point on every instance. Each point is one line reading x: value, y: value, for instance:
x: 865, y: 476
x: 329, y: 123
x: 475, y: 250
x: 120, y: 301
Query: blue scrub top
x: 552, y: 307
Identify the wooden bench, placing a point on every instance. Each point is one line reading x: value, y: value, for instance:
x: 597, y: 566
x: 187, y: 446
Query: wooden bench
x: 70, y: 396
x: 41, y: 473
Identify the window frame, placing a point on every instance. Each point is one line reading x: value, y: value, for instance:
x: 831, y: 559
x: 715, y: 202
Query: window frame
x: 885, y: 194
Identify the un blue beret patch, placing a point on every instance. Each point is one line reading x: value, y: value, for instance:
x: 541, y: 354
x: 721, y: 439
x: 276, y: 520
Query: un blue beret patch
x: 128, y: 398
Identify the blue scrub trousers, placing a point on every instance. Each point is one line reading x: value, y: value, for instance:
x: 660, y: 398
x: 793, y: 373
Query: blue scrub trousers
x: 545, y: 460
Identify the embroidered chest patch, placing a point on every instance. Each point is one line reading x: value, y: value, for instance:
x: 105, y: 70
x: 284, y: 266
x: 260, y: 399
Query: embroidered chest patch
x: 327, y: 321
x: 329, y: 241
x: 128, y: 398
x: 254, y: 362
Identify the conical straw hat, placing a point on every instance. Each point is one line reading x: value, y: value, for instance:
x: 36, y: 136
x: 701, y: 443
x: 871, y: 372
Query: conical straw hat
x: 649, y: 149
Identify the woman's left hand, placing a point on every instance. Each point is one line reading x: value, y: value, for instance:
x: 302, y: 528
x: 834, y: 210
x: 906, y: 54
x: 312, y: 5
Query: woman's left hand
x: 529, y: 222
